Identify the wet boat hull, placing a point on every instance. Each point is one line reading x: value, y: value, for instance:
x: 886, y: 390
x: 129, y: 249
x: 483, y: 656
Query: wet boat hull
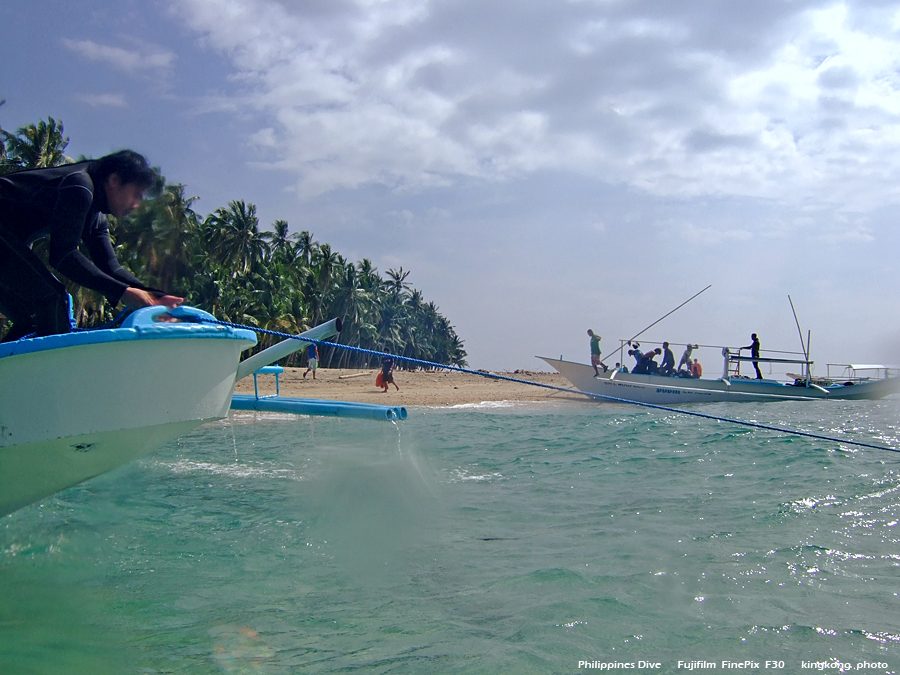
x: 80, y: 405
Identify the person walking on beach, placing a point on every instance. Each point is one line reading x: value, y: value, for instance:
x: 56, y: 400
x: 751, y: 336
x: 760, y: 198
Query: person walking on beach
x: 68, y: 204
x: 312, y: 364
x: 387, y: 371
x: 595, y: 353
x: 754, y: 352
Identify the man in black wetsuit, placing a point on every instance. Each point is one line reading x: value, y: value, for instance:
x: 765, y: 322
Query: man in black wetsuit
x: 754, y: 352
x: 68, y: 204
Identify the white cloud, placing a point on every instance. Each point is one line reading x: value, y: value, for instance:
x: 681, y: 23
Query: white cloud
x: 703, y: 235
x: 794, y: 103
x: 594, y: 161
x: 103, y: 100
x: 264, y: 138
x: 143, y: 58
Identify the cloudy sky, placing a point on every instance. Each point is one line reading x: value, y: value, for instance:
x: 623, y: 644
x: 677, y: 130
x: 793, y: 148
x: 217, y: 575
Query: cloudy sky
x: 540, y: 167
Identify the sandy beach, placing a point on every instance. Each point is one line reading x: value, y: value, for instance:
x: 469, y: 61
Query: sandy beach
x: 418, y: 388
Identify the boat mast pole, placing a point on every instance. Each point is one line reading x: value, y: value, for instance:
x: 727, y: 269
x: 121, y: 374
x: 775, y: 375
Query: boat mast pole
x: 802, y: 345
x: 672, y: 312
x: 809, y: 351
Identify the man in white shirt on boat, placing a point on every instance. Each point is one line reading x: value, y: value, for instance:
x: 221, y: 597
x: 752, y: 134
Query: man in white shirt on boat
x: 637, y: 354
x: 686, y: 357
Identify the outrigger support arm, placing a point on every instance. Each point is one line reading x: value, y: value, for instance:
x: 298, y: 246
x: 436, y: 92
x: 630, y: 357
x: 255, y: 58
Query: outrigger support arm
x: 286, y: 347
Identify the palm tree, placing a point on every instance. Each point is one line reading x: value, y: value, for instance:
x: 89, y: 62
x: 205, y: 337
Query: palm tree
x: 369, y: 277
x: 162, y: 238
x: 356, y: 306
x: 232, y: 236
x: 397, y: 284
x: 35, y: 146
x: 177, y: 232
x: 279, y: 239
x: 306, y: 246
x: 323, y: 266
x: 270, y: 279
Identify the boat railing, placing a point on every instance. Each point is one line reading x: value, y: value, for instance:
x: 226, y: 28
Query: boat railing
x: 764, y: 359
x: 733, y: 357
x: 733, y: 361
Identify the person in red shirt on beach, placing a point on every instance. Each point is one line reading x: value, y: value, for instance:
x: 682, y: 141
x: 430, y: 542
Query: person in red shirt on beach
x: 387, y: 371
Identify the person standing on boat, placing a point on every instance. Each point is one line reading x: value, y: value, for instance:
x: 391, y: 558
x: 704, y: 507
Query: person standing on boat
x: 668, y: 365
x: 68, y: 204
x: 595, y: 353
x: 686, y: 357
x: 387, y: 371
x: 754, y: 353
x: 312, y: 357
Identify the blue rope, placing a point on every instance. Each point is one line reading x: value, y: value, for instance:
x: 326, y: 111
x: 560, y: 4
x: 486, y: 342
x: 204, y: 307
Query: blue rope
x: 481, y: 373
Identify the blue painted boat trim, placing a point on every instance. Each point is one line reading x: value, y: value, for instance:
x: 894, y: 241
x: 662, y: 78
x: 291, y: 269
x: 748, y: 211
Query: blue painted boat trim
x: 305, y: 406
x: 143, y: 324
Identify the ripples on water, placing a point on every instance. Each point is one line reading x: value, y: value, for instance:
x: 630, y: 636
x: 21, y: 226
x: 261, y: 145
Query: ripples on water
x: 481, y: 539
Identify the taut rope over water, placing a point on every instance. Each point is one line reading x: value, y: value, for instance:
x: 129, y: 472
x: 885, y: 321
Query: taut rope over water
x: 493, y: 376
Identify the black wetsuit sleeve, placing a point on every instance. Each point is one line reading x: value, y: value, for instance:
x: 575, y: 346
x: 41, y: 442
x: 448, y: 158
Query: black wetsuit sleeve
x: 77, y: 267
x: 67, y: 227
x: 101, y: 250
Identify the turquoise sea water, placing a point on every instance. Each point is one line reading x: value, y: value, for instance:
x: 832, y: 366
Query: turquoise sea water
x: 485, y: 539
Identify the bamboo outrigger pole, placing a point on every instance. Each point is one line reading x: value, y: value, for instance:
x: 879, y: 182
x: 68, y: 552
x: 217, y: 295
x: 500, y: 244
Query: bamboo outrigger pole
x: 287, y: 346
x: 805, y: 346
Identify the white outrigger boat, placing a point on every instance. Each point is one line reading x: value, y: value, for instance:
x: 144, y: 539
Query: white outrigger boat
x: 853, y: 382
x: 76, y: 405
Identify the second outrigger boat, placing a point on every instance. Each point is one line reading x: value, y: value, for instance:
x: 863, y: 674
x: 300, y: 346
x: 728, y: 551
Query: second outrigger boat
x: 851, y: 383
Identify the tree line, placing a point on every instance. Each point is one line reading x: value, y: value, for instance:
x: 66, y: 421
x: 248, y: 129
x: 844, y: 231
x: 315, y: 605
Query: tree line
x: 271, y: 279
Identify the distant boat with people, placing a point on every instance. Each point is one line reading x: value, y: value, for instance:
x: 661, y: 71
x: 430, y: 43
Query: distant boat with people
x: 842, y: 382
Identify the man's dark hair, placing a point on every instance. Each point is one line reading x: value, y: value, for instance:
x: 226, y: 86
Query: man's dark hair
x: 128, y: 165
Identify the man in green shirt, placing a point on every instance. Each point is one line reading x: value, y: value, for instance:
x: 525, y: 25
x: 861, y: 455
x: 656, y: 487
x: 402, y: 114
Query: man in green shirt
x: 595, y: 353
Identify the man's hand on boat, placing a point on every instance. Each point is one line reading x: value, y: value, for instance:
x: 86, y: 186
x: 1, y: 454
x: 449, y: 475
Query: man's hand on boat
x: 135, y: 298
